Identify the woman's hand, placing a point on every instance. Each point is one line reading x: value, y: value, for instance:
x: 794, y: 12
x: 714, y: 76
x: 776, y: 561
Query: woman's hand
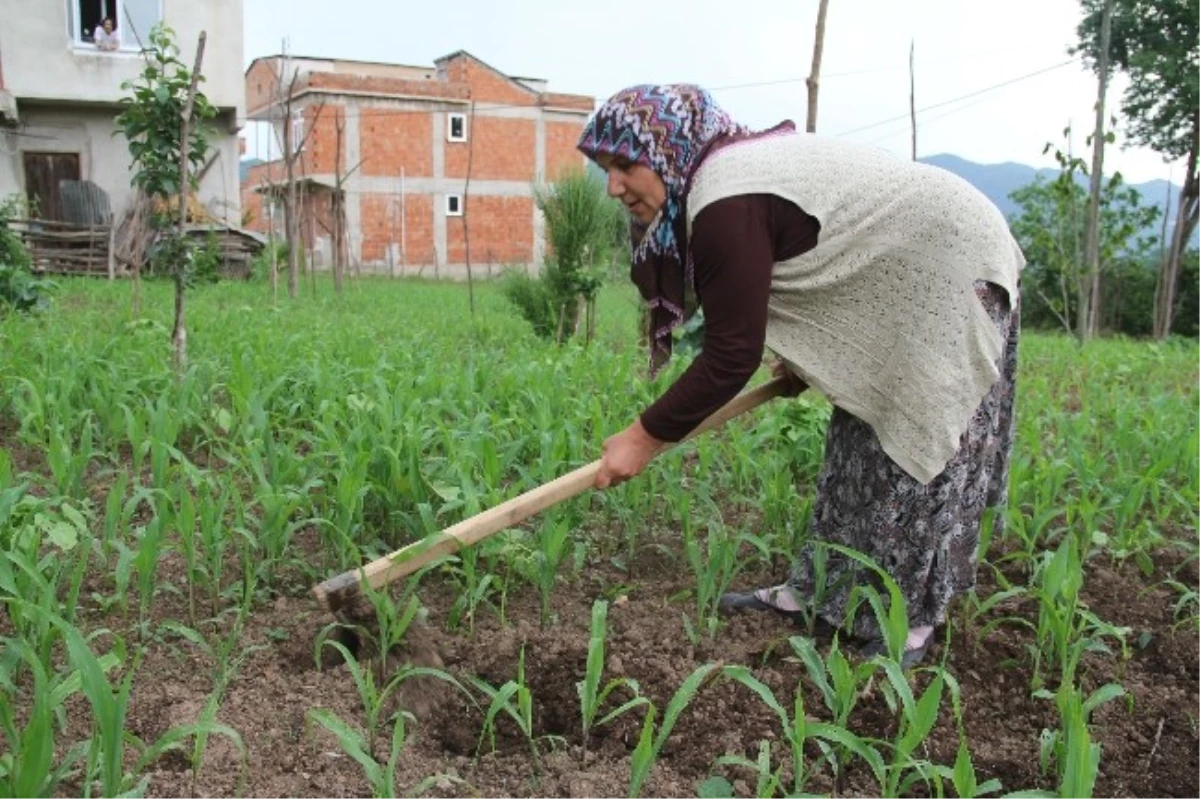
x: 626, y: 455
x: 795, y: 385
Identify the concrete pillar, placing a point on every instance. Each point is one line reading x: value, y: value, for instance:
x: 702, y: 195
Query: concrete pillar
x: 439, y: 193
x: 352, y: 146
x: 539, y: 227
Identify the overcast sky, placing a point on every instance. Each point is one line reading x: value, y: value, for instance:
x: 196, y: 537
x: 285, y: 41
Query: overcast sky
x: 962, y: 47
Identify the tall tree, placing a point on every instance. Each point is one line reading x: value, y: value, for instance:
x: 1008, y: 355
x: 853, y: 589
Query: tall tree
x: 1156, y: 43
x: 1049, y: 225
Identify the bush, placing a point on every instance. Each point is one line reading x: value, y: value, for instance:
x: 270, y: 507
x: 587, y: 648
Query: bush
x: 536, y: 298
x: 260, y: 265
x: 585, y: 228
x: 20, y: 289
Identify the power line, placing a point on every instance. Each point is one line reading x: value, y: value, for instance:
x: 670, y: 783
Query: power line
x: 867, y: 71
x: 975, y: 93
x: 926, y: 122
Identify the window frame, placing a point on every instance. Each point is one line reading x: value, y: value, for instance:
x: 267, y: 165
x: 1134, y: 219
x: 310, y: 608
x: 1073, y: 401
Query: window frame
x: 457, y: 198
x: 128, y: 43
x: 450, y: 118
x: 298, y: 130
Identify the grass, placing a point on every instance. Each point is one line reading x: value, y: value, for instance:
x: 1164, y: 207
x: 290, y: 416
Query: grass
x: 376, y: 418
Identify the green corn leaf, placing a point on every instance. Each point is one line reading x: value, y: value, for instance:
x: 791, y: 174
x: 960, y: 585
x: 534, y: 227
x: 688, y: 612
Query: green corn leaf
x: 925, y: 713
x: 1100, y: 696
x: 173, y: 737
x: 350, y: 740
x: 643, y: 755
x: 807, y: 652
x: 858, y: 746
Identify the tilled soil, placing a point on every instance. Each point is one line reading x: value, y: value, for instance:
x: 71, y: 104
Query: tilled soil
x: 1149, y: 741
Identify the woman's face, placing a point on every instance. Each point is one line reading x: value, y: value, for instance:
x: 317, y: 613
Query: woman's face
x: 108, y: 26
x: 636, y: 185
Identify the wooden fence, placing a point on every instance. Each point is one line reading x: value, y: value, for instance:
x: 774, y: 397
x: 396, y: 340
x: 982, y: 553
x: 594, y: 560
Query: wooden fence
x: 63, y: 248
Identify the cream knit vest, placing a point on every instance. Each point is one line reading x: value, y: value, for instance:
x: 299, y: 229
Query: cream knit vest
x: 881, y: 316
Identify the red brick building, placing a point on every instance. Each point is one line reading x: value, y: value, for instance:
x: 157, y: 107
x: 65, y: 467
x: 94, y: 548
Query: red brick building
x: 431, y: 156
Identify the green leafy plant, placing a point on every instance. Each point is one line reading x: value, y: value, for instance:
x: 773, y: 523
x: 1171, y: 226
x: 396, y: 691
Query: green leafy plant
x: 654, y: 735
x: 516, y: 701
x: 591, y: 695
x: 1075, y: 756
x: 20, y: 289
x: 373, y: 696
x: 797, y: 729
x: 381, y: 775
x: 584, y: 227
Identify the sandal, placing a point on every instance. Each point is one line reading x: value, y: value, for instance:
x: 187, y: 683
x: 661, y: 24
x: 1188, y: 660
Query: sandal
x: 735, y: 601
x: 910, y: 658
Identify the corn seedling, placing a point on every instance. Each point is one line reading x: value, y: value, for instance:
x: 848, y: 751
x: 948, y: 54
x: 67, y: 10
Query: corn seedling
x: 106, y: 748
x: 28, y: 766
x: 653, y: 736
x: 766, y: 780
x: 228, y: 658
x: 797, y: 729
x: 1065, y: 630
x: 1075, y: 756
x: 553, y: 534
x: 380, y: 775
x: 68, y: 458
x: 840, y: 685
x: 591, y: 696
x: 375, y: 698
x: 916, y: 719
x: 515, y: 699
x: 151, y: 541
x: 392, y: 622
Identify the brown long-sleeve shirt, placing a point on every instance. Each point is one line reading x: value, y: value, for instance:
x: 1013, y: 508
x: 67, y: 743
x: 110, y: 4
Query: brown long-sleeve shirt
x: 735, y: 243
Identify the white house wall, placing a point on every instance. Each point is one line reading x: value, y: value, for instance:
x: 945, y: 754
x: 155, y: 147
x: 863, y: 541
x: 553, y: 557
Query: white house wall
x: 43, y: 62
x: 67, y: 95
x: 104, y: 157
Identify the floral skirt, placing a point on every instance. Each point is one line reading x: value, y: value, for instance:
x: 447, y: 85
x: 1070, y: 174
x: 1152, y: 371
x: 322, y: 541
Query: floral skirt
x: 924, y: 536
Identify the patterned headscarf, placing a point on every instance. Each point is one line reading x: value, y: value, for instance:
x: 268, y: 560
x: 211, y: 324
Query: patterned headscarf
x: 669, y: 129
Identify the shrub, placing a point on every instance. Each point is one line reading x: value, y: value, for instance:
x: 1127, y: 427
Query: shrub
x: 20, y: 289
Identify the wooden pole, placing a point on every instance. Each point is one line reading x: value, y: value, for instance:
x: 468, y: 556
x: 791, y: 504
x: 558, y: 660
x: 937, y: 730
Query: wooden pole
x: 912, y: 95
x: 179, y: 334
x: 112, y: 247
x: 814, y: 77
x: 1089, y: 297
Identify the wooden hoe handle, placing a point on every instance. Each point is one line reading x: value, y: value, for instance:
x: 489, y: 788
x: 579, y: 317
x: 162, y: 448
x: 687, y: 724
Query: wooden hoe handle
x: 336, y: 592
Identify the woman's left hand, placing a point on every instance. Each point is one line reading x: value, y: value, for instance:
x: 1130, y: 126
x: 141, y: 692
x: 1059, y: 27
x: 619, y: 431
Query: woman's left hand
x: 626, y: 455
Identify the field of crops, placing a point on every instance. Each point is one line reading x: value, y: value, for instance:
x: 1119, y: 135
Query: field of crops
x: 159, y: 538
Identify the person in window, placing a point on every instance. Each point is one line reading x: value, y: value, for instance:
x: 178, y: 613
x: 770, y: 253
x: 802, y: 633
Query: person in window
x: 106, y: 37
x: 890, y: 286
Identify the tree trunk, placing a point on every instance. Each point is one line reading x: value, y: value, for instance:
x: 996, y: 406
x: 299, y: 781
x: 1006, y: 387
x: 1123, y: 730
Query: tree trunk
x: 179, y: 334
x: 814, y: 78
x: 1185, y: 222
x: 1088, y: 320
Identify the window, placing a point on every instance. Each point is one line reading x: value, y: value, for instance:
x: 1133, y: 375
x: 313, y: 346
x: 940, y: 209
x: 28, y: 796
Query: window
x: 297, y: 131
x: 456, y: 127
x: 131, y: 21
x: 453, y: 205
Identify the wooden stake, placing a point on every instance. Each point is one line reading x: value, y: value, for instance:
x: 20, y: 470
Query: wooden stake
x: 814, y: 77
x: 179, y: 335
